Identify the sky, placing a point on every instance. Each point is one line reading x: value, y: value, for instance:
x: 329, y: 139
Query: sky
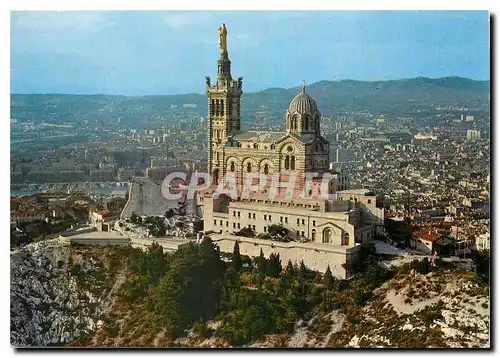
x: 171, y: 52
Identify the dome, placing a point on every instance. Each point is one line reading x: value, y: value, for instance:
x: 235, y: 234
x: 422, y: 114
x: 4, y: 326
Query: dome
x: 303, y: 103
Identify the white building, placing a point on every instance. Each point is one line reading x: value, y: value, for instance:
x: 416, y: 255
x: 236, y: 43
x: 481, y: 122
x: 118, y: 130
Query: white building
x: 473, y: 134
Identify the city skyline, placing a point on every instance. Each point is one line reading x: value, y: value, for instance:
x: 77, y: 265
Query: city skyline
x: 166, y: 52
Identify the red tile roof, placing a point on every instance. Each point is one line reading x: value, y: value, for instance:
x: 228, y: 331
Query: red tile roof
x: 426, y: 235
x: 28, y: 212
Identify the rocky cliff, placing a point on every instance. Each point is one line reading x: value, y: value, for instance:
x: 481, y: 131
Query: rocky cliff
x: 64, y: 295
x: 59, y: 293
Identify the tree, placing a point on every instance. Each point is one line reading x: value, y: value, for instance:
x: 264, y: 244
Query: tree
x: 169, y: 213
x: 286, y: 280
x: 301, y: 274
x: 328, y: 278
x: 261, y: 263
x: 399, y: 232
x: 278, y: 233
x: 133, y: 218
x: 198, y: 225
x: 290, y: 270
x: 421, y: 266
x: 482, y: 262
x: 273, y: 267
x: 444, y: 246
x: 246, y: 232
x: 161, y: 232
x: 318, y: 278
x: 182, y: 208
x: 236, y: 260
x: 191, y: 288
x: 147, y: 267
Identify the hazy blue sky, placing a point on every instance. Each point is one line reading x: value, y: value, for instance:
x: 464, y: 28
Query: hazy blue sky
x: 169, y: 52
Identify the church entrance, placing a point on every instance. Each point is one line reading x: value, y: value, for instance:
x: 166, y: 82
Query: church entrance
x: 327, y: 236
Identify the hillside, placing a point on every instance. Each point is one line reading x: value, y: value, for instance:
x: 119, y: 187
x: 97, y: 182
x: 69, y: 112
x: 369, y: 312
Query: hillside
x: 59, y: 293
x: 333, y: 97
x: 109, y: 297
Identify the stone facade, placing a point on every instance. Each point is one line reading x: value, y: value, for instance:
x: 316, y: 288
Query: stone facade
x: 325, y: 219
x: 298, y: 150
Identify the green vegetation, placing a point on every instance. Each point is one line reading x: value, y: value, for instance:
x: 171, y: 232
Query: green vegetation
x: 445, y: 246
x: 246, y: 232
x: 276, y: 233
x: 27, y: 232
x: 167, y: 294
x: 482, y: 262
x: 399, y: 232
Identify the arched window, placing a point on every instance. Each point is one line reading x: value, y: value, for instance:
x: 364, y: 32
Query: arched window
x: 287, y: 162
x: 232, y: 167
x: 255, y: 145
x: 249, y: 167
x: 313, y: 237
x: 266, y: 169
x: 292, y: 162
x: 306, y: 123
x: 346, y: 239
x: 221, y: 107
x: 315, y: 163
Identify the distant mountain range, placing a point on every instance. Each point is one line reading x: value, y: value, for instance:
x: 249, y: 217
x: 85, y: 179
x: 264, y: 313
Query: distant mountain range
x: 333, y: 97
x: 336, y: 96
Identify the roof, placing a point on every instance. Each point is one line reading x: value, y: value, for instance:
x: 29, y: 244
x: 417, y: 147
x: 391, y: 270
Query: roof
x: 259, y: 136
x: 98, y: 235
x: 355, y: 191
x: 28, y: 212
x: 303, y: 103
x: 426, y: 235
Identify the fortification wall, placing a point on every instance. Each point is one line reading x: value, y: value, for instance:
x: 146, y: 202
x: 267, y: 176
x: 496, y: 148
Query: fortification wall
x: 316, y: 256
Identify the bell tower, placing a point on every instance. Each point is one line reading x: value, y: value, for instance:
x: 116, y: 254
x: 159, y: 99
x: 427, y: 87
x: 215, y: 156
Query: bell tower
x: 224, y: 98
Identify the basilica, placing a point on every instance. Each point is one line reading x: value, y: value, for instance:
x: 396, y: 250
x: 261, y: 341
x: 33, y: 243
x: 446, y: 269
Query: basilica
x: 325, y: 231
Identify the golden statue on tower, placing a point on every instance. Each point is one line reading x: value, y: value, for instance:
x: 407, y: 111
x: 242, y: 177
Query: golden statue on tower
x: 222, y: 39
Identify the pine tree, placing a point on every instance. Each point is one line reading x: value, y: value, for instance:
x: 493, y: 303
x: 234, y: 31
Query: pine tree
x: 273, y: 267
x: 328, y: 279
x: 289, y: 271
x: 261, y: 263
x: 236, y: 262
x: 301, y: 274
x: 318, y: 278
